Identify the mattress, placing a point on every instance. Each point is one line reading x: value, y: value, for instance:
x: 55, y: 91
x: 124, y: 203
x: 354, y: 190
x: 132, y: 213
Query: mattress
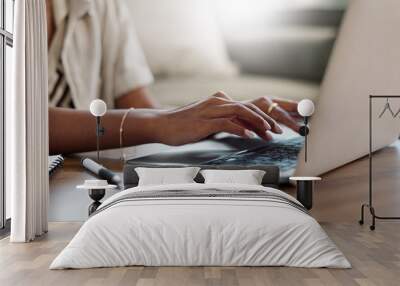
x: 200, y: 225
x: 177, y: 91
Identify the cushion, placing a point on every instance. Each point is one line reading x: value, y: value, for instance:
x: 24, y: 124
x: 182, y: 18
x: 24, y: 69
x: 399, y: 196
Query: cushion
x: 246, y: 177
x: 166, y: 176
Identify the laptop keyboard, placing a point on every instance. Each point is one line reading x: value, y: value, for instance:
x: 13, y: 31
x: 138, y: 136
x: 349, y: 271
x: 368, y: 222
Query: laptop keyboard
x: 281, y: 153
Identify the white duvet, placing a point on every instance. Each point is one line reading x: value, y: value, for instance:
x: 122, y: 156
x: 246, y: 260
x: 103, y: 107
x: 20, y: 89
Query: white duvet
x: 200, y: 231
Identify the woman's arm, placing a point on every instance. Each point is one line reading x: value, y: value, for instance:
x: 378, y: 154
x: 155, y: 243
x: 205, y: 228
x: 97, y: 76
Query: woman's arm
x: 72, y: 131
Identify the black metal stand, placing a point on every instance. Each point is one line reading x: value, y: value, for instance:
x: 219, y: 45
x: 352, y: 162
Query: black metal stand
x: 305, y: 193
x: 99, y: 132
x: 96, y: 195
x: 305, y: 189
x: 303, y: 131
x: 369, y: 205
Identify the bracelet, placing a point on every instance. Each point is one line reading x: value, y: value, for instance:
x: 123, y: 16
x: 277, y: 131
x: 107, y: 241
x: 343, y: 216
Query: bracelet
x: 121, y: 131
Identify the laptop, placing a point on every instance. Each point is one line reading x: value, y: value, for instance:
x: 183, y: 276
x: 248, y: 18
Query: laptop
x: 365, y: 60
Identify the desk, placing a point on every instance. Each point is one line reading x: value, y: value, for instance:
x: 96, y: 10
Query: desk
x: 68, y: 203
x: 338, y: 199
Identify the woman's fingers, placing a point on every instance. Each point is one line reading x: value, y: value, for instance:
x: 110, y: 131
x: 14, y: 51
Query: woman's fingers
x: 274, y: 125
x: 240, y: 111
x: 233, y: 127
x: 287, y: 105
x: 266, y: 136
x: 279, y: 113
x: 285, y: 118
x: 252, y: 115
x: 226, y: 125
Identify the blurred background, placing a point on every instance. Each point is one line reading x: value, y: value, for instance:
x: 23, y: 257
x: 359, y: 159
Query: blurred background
x: 247, y: 48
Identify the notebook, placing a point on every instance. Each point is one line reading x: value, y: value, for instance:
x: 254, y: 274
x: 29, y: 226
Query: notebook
x: 55, y: 162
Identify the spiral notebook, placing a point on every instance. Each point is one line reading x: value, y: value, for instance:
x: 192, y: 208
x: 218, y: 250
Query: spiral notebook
x: 55, y: 162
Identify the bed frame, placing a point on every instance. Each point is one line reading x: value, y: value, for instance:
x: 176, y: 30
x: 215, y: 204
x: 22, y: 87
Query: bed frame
x: 131, y: 178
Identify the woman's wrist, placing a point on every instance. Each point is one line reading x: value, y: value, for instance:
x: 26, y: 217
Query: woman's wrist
x: 145, y: 126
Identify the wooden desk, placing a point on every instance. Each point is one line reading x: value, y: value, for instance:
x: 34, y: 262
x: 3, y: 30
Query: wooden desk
x: 338, y: 197
x: 68, y: 203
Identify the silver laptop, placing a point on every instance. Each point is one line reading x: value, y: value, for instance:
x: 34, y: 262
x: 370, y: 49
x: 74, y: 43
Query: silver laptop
x: 364, y: 61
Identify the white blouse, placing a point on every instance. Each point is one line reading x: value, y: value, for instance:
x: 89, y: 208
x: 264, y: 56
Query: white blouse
x: 100, y: 56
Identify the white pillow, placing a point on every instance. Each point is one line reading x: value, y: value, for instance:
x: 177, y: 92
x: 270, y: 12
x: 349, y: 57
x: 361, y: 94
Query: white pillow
x: 247, y: 177
x: 181, y: 37
x: 166, y: 176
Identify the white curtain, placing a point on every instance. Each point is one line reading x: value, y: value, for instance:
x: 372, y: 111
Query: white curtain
x: 27, y: 124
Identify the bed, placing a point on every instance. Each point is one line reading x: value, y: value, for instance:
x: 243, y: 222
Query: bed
x: 201, y: 225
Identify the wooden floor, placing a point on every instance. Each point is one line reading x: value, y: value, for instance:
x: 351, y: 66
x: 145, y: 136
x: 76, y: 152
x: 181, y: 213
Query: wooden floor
x: 375, y: 256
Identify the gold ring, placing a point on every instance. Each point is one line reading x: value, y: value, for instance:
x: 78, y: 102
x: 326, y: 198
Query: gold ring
x: 272, y: 107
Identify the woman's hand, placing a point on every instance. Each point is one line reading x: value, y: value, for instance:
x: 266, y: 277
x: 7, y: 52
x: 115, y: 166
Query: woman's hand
x: 285, y: 112
x: 217, y: 113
